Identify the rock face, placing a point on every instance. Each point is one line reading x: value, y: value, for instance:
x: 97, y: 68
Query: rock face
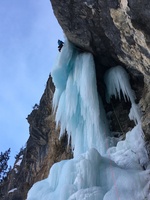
x: 43, y: 149
x: 116, y: 32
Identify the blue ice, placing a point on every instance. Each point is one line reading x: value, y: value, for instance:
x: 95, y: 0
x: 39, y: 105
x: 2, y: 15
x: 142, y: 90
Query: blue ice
x: 97, y: 171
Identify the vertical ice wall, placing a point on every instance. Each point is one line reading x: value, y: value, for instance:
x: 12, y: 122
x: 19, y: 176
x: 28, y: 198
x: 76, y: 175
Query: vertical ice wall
x: 76, y: 100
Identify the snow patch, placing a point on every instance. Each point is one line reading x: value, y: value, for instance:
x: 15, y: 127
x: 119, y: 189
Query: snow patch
x: 16, y: 170
x: 12, y: 190
x: 18, y: 162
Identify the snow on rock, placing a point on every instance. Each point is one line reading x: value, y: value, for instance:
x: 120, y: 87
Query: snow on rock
x: 16, y: 170
x: 12, y: 190
x: 18, y: 162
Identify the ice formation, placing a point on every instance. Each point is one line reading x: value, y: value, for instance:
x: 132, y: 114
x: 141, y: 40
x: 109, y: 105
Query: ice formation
x: 97, y: 171
x: 78, y: 109
x: 117, y: 82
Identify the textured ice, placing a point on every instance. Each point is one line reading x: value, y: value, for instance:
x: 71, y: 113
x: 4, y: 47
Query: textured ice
x: 98, y: 171
x: 77, y: 102
x: 130, y: 153
x: 91, y: 177
x: 117, y: 82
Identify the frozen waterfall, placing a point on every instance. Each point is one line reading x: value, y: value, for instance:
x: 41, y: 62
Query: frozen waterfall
x: 77, y: 102
x: 98, y: 171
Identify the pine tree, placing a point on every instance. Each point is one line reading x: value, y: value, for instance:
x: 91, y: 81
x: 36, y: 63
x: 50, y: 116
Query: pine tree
x: 4, y: 157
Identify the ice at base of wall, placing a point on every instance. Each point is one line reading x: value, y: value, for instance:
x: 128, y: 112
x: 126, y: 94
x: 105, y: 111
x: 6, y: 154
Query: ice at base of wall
x: 91, y: 177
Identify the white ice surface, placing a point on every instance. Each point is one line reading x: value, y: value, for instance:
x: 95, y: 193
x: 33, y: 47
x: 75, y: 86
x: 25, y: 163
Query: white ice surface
x: 91, y: 177
x: 117, y: 175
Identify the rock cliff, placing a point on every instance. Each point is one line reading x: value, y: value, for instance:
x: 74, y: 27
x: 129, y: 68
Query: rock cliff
x: 42, y: 150
x: 115, y: 32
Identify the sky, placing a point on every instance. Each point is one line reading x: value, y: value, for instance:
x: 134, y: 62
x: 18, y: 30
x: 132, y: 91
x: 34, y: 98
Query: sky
x: 28, y: 49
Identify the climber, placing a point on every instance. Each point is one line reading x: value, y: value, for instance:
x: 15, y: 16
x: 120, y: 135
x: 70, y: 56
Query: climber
x: 60, y: 45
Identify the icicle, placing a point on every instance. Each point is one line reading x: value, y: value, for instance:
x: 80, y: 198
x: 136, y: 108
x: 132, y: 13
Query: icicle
x: 76, y: 100
x: 117, y: 81
x: 62, y: 69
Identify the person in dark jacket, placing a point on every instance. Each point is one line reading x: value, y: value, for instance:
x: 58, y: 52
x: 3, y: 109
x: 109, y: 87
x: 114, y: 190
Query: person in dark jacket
x: 60, y: 45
